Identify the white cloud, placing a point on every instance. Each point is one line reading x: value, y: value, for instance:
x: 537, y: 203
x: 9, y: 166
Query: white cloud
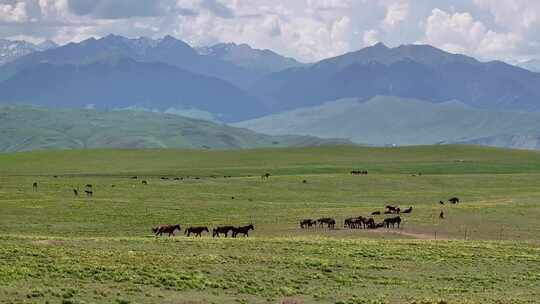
x: 396, y: 12
x: 371, y: 37
x: 461, y: 33
x: 306, y: 29
x: 13, y: 12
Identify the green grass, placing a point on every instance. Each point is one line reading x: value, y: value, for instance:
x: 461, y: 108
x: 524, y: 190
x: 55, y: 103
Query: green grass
x: 25, y: 128
x: 55, y: 247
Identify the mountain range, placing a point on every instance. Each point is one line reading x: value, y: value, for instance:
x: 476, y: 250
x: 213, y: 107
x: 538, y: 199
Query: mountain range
x: 532, y: 65
x: 410, y: 71
x: 264, y: 61
x: 262, y: 90
x: 13, y: 49
x: 24, y: 128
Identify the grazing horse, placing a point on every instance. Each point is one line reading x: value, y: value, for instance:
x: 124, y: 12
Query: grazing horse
x: 196, y: 230
x: 350, y: 222
x: 330, y: 222
x: 223, y: 229
x: 369, y: 223
x: 376, y: 213
x: 307, y: 223
x: 243, y: 230
x: 265, y: 176
x: 144, y: 182
x: 34, y: 186
x: 392, y: 221
x: 391, y: 208
x: 408, y: 210
x: 75, y: 192
x: 89, y: 192
x: 159, y: 230
x: 454, y: 200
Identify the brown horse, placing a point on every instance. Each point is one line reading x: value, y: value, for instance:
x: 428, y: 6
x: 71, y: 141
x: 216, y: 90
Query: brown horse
x: 144, y: 182
x: 159, y: 230
x: 223, y: 229
x: 369, y: 223
x: 75, y: 192
x: 391, y: 208
x: 330, y: 222
x: 392, y: 221
x: 196, y: 230
x: 376, y: 213
x: 243, y: 230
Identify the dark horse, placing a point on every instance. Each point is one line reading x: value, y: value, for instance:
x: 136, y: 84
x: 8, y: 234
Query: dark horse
x: 34, y: 186
x: 223, y: 229
x: 265, y: 176
x: 391, y: 208
x: 330, y: 222
x: 307, y: 223
x: 454, y: 200
x: 392, y: 221
x: 408, y: 210
x: 159, y: 230
x: 243, y: 230
x: 196, y: 230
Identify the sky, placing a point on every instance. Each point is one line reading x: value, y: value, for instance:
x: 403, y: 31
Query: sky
x: 308, y: 30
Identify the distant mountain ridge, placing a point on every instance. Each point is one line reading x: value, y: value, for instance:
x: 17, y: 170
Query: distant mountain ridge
x: 168, y: 50
x: 385, y: 120
x: 11, y: 50
x: 244, y: 55
x: 409, y: 71
x: 25, y: 128
x: 531, y: 65
x: 122, y: 82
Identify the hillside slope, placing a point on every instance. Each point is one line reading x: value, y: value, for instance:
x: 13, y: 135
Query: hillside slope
x: 29, y: 128
x: 392, y: 120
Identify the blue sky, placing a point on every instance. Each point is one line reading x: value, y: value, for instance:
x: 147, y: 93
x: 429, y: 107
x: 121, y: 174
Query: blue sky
x: 305, y: 29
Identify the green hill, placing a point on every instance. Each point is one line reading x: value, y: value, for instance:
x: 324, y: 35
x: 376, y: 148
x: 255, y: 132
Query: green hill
x: 25, y: 128
x: 392, y: 120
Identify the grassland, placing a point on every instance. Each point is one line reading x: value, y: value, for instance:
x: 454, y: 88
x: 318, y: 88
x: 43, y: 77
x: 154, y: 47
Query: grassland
x: 26, y: 128
x: 55, y: 247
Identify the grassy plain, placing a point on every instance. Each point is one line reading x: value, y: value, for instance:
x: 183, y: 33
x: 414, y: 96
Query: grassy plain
x: 55, y: 247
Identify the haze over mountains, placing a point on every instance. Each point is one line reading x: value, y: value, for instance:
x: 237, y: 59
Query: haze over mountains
x: 275, y: 94
x: 384, y: 120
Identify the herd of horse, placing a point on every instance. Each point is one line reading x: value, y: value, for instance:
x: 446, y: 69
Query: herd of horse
x: 359, y: 222
x: 199, y: 230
